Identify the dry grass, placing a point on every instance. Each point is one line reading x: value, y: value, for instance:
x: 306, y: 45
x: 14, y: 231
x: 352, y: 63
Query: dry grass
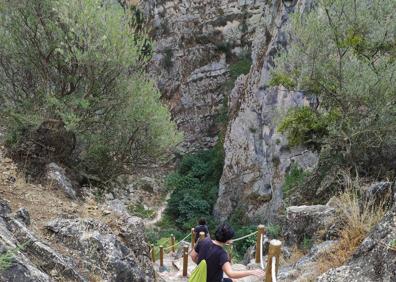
x: 357, y: 220
x: 296, y: 254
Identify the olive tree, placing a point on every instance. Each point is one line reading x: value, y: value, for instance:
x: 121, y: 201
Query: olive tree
x: 344, y: 53
x: 82, y: 62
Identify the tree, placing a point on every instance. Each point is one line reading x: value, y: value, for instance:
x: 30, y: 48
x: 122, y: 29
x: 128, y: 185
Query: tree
x: 344, y: 53
x: 82, y: 62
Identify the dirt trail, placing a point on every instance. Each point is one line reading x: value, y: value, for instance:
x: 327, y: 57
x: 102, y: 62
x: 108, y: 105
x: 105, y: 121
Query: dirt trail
x: 159, y: 213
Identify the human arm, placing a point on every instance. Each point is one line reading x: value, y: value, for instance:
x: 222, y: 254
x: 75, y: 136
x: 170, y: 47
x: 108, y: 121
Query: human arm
x: 240, y: 274
x: 194, y: 256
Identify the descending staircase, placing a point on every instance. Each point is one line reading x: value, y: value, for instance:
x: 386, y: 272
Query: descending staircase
x: 173, y: 265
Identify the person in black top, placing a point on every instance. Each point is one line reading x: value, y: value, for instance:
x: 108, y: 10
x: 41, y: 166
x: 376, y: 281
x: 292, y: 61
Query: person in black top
x: 201, y: 227
x: 216, y: 257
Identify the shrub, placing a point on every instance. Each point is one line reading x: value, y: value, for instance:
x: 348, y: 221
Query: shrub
x: 195, y: 187
x: 241, y: 66
x: 357, y: 221
x: 141, y: 211
x: 274, y: 230
x: 294, y: 178
x: 343, y: 53
x: 82, y: 64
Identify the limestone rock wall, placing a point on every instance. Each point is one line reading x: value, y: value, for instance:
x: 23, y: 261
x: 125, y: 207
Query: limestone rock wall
x: 256, y: 156
x: 194, y: 40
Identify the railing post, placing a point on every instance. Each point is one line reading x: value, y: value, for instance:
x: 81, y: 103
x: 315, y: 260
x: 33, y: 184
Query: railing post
x: 173, y: 242
x: 152, y: 253
x: 161, y: 256
x: 192, y: 238
x: 185, y: 260
x: 201, y: 235
x: 260, y: 232
x: 273, y: 252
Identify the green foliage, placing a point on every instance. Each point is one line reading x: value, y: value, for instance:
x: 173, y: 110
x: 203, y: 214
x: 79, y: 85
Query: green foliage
x: 141, y: 211
x: 7, y: 257
x: 306, y: 244
x: 242, y: 66
x: 241, y: 247
x: 343, y: 52
x: 195, y: 187
x: 6, y: 260
x: 274, y: 230
x: 392, y: 244
x: 282, y: 79
x: 167, y: 61
x: 81, y: 62
x: 294, y: 178
x: 306, y: 126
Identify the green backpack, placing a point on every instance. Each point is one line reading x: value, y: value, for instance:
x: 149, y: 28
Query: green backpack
x: 199, y: 273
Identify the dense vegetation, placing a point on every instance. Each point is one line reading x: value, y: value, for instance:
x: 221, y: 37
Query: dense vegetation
x: 81, y: 63
x: 194, y: 187
x: 344, y: 54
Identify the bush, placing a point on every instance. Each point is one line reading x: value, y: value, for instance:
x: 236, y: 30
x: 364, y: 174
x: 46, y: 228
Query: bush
x: 82, y: 64
x: 242, y: 66
x: 294, y: 178
x: 140, y: 211
x: 195, y: 187
x: 274, y: 230
x: 343, y: 53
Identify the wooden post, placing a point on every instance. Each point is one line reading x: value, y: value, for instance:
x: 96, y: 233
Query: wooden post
x: 201, y: 235
x: 152, y: 253
x: 192, y: 238
x: 274, y: 251
x: 161, y: 255
x: 173, y: 242
x: 260, y: 231
x: 185, y: 260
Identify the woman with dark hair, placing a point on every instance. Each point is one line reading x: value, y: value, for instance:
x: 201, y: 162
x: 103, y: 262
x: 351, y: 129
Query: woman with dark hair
x: 216, y: 257
x: 201, y: 227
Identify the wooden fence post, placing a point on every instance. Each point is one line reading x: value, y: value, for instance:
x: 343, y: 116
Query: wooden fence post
x: 161, y: 256
x: 173, y: 242
x: 152, y: 253
x: 260, y: 231
x: 192, y: 238
x: 201, y: 235
x: 185, y: 260
x: 273, y: 252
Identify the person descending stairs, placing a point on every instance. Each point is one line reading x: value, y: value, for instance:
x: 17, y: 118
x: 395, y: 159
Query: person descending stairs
x: 180, y: 265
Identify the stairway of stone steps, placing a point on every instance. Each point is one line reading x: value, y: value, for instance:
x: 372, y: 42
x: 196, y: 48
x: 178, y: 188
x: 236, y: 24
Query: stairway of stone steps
x: 173, y: 267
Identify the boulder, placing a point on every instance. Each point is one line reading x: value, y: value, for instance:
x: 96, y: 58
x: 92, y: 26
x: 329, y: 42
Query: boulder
x: 29, y: 258
x: 104, y: 253
x: 311, y: 222
x: 306, y: 268
x: 23, y: 215
x: 56, y: 176
x: 380, y: 193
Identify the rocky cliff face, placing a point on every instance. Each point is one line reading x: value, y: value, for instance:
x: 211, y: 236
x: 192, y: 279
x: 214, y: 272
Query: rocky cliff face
x: 196, y: 41
x: 256, y: 156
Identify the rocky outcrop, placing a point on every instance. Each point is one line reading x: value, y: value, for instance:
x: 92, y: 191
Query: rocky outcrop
x: 84, y: 250
x: 306, y: 268
x: 103, y: 252
x: 196, y: 41
x: 257, y: 157
x: 56, y: 176
x: 374, y: 260
x: 316, y: 222
x: 28, y: 258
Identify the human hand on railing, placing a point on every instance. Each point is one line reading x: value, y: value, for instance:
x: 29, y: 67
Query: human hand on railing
x: 257, y: 272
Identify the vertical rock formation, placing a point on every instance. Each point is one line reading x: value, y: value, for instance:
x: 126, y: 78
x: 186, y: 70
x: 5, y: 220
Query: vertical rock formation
x: 196, y: 40
x: 256, y: 156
